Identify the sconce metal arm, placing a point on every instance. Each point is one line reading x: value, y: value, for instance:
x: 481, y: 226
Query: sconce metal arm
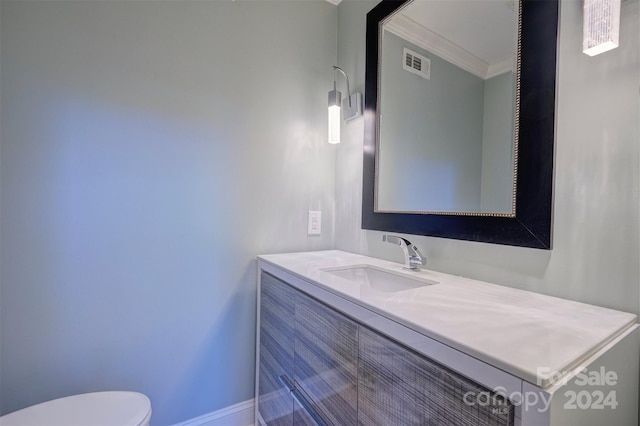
x: 335, y: 77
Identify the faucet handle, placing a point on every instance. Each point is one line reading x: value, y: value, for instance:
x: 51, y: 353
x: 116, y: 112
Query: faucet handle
x: 394, y: 239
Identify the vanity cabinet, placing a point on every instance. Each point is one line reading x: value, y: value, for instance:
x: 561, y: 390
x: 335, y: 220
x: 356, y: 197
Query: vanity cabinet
x: 338, y: 351
x: 346, y: 374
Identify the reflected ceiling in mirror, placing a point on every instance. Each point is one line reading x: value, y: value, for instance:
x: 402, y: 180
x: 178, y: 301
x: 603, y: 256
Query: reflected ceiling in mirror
x: 448, y: 99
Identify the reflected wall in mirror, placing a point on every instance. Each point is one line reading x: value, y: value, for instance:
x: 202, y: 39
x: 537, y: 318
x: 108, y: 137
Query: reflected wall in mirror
x: 459, y: 128
x: 446, y: 107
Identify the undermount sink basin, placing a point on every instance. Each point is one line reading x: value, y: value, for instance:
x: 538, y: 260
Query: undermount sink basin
x: 379, y: 279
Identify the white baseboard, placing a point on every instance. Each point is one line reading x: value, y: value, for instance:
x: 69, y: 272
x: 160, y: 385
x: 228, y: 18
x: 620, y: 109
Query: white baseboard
x: 240, y: 414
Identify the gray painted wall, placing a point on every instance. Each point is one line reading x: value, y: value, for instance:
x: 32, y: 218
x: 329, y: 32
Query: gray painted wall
x: 150, y: 150
x: 596, y: 253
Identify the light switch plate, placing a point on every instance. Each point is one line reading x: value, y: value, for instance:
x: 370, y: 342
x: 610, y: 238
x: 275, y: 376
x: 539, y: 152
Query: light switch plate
x: 314, y: 225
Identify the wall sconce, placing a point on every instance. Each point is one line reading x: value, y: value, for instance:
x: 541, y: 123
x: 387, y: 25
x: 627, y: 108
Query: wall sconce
x: 601, y: 26
x: 351, y: 107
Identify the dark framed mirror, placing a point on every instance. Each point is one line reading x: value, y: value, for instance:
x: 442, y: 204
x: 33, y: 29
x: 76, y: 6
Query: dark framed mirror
x: 426, y: 161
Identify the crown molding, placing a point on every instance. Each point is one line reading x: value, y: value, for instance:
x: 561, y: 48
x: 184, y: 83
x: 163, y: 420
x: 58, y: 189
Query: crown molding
x: 428, y: 40
x: 500, y: 68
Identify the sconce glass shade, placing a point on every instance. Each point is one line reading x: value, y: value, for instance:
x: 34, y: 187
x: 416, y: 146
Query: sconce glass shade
x: 334, y: 116
x: 352, y: 107
x: 601, y: 26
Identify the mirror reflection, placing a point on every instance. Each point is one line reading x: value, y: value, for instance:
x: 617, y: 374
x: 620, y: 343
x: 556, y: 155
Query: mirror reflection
x: 448, y: 108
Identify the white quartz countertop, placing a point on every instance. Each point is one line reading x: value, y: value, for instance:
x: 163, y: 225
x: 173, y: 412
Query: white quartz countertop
x: 520, y: 332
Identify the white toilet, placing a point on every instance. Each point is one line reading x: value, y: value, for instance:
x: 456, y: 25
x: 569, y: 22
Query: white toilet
x: 90, y: 409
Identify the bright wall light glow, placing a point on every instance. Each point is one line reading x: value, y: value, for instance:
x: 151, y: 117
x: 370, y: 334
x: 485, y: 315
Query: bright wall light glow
x: 601, y: 26
x: 334, y: 124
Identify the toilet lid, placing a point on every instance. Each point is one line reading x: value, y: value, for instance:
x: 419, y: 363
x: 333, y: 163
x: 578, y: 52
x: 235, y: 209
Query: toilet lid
x: 89, y: 409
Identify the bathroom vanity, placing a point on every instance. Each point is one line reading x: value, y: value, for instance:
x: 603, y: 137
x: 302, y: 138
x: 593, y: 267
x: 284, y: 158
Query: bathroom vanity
x: 346, y: 339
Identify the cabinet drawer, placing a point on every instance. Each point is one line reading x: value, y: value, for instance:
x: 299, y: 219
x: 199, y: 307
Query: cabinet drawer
x: 396, y: 386
x: 326, y: 356
x: 277, y: 328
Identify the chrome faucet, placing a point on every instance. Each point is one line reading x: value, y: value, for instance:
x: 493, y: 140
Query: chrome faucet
x: 413, y: 259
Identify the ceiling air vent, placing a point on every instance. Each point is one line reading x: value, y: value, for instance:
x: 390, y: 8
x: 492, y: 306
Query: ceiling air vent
x: 416, y: 63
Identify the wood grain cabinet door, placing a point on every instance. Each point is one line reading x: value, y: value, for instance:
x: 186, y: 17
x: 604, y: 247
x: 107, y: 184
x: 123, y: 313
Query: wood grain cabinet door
x: 302, y: 418
x: 277, y: 332
x: 326, y: 357
x: 397, y: 386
